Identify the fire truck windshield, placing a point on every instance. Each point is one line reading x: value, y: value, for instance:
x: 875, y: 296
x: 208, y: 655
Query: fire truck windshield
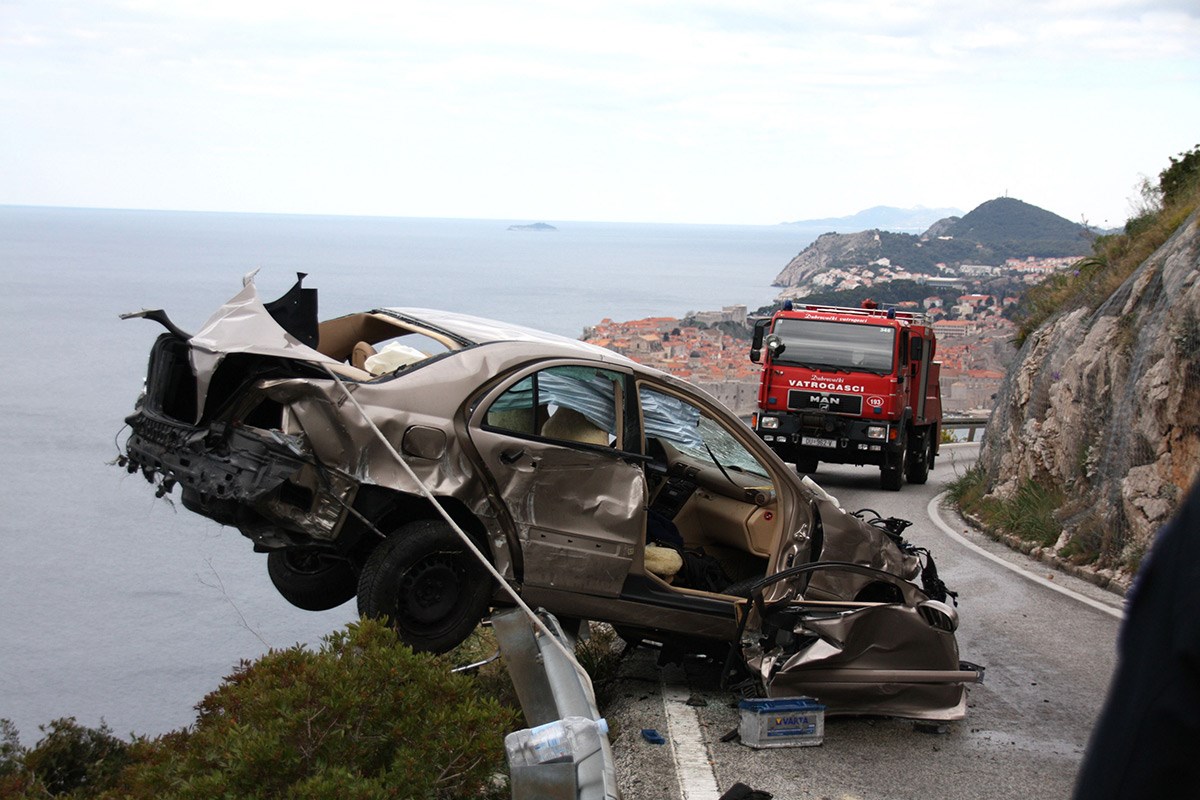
x: 839, y: 345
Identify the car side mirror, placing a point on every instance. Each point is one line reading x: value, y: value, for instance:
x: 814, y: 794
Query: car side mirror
x: 916, y: 347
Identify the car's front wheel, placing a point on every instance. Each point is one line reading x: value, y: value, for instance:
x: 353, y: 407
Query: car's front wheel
x: 309, y: 580
x: 431, y: 589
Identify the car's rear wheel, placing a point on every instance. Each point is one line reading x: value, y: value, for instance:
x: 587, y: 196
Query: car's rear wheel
x: 310, y: 580
x: 427, y: 584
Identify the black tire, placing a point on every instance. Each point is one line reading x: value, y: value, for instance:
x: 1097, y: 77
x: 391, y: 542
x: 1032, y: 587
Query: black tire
x: 806, y: 466
x: 891, y: 477
x: 427, y: 584
x: 918, y: 460
x: 310, y: 580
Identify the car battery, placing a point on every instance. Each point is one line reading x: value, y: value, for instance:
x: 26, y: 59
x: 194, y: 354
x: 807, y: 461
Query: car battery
x: 781, y: 722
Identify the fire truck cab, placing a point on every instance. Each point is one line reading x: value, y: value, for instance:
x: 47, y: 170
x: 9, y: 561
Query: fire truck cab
x: 850, y: 386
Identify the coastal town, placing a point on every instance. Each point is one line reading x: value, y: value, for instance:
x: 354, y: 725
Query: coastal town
x: 711, y: 348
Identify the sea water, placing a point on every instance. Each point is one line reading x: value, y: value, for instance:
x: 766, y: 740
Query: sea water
x: 119, y: 606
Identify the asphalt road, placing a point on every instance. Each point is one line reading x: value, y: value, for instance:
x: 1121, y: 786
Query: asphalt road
x: 1048, y: 654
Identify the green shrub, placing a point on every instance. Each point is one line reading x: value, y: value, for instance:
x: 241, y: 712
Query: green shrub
x: 363, y: 717
x: 1181, y: 178
x: 12, y: 755
x: 70, y: 760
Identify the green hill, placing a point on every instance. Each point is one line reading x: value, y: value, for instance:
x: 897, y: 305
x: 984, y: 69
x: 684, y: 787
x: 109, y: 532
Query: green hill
x: 1016, y: 229
x: 992, y: 233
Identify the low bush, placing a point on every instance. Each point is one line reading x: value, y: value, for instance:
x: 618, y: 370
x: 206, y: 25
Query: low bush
x: 70, y: 760
x: 362, y: 717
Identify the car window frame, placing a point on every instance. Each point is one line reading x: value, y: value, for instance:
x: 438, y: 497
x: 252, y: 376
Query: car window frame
x: 628, y: 427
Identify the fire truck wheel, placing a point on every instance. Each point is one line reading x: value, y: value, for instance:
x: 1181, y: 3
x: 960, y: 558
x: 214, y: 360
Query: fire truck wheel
x: 806, y: 466
x: 918, y: 460
x: 891, y: 476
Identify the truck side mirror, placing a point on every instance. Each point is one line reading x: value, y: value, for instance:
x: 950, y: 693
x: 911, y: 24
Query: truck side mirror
x: 756, y: 343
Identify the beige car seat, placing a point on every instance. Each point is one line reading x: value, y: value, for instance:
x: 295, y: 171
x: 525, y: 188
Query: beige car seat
x: 570, y: 425
x: 359, y: 355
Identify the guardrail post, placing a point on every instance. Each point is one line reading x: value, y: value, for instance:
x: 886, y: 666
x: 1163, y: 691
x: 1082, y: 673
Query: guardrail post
x: 550, y: 688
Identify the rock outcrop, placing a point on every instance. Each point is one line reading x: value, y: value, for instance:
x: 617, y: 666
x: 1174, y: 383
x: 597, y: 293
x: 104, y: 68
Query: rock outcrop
x: 990, y: 234
x: 830, y: 250
x: 1105, y: 405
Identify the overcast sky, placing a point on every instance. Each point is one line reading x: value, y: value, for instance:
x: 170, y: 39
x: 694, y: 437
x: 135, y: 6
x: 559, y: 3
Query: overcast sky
x: 730, y: 111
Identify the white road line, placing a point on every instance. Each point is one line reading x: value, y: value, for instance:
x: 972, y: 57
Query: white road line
x: 932, y: 510
x: 693, y: 766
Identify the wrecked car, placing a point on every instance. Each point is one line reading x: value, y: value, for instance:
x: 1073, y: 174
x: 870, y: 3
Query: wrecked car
x: 598, y: 488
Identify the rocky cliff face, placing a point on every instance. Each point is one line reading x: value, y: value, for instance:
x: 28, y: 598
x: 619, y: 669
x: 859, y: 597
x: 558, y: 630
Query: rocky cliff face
x: 1105, y: 404
x: 829, y: 250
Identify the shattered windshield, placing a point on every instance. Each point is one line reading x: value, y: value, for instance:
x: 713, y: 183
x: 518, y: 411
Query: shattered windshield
x: 820, y: 344
x: 693, y: 433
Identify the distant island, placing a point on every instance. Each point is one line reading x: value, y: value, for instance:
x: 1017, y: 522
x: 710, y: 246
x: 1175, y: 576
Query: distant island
x: 536, y: 226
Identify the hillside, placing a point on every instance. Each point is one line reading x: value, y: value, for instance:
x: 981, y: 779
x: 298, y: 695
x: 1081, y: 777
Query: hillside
x: 1102, y: 406
x: 992, y: 233
x: 1098, y: 415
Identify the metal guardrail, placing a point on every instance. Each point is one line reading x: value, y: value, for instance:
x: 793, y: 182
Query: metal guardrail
x: 970, y: 424
x: 551, y: 688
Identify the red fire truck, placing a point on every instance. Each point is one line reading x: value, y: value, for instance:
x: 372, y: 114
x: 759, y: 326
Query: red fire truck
x: 850, y: 386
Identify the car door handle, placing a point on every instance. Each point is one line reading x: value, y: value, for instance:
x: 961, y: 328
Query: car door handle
x: 510, y: 457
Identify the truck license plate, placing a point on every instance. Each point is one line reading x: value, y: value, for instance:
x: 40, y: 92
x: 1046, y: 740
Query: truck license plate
x: 813, y: 441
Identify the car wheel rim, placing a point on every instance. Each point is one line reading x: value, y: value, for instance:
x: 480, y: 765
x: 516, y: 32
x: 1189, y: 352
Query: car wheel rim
x: 429, y: 591
x: 306, y: 563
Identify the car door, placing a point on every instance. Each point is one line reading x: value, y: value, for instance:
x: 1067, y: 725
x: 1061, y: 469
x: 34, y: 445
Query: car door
x: 553, y: 441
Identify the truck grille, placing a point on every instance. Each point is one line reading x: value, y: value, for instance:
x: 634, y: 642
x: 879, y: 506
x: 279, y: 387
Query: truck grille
x: 800, y: 400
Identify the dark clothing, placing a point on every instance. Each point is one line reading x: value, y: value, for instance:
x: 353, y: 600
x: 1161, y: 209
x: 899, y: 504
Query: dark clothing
x: 1147, y: 741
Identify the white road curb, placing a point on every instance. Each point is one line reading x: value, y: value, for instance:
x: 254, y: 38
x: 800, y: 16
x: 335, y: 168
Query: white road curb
x: 932, y: 511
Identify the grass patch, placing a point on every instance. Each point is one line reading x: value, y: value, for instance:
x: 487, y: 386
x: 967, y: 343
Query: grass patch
x: 1030, y: 514
x: 968, y: 489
